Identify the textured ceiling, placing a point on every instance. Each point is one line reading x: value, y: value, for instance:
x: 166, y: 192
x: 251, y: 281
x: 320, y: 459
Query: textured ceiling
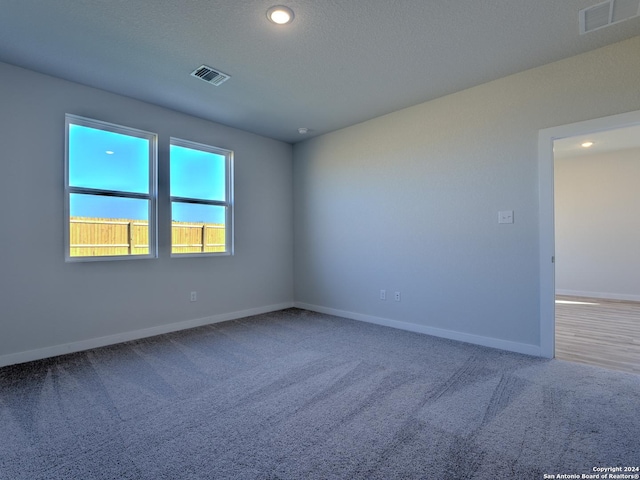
x: 340, y: 62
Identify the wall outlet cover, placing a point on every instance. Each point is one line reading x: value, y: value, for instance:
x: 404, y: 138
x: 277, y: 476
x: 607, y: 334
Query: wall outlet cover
x: 505, y: 216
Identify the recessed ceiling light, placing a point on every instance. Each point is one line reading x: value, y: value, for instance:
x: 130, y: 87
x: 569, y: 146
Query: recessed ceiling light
x: 303, y: 130
x: 587, y: 144
x: 109, y: 152
x: 280, y: 15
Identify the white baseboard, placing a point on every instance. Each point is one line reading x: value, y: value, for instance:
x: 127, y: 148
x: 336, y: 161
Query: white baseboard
x: 47, y: 352
x: 516, y: 347
x: 604, y: 296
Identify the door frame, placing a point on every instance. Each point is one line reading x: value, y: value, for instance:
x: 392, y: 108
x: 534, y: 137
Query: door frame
x: 546, y: 137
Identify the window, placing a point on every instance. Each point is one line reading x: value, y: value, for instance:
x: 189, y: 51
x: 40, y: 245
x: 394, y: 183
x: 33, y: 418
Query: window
x: 110, y: 190
x: 201, y: 199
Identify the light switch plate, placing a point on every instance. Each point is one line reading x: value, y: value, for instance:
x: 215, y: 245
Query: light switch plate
x: 505, y: 216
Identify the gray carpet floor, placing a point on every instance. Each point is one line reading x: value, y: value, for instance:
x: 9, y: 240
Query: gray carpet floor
x: 301, y: 395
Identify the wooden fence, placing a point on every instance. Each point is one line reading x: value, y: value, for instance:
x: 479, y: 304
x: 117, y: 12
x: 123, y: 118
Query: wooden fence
x: 121, y: 236
x: 189, y: 237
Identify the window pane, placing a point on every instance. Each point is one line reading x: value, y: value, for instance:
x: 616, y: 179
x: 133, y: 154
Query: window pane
x: 107, y: 160
x: 107, y: 226
x: 82, y: 205
x: 197, y: 174
x: 197, y: 228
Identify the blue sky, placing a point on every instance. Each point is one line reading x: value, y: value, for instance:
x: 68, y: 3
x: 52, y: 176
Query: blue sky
x: 113, y: 161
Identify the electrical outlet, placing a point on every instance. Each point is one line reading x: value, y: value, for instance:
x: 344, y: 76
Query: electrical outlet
x: 505, y: 216
x: 397, y: 296
x: 383, y: 294
x: 194, y: 296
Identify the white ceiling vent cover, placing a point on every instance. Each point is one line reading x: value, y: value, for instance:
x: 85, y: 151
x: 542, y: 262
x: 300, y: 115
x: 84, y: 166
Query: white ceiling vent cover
x: 212, y: 76
x: 607, y: 13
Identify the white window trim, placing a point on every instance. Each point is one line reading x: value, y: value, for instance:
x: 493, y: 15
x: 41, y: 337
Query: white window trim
x: 71, y: 119
x: 227, y: 203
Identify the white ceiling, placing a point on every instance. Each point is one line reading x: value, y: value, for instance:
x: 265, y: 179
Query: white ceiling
x: 603, y: 142
x: 339, y: 63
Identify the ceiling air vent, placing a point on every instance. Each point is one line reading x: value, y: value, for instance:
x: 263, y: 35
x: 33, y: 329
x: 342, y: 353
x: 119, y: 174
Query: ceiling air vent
x: 210, y: 75
x: 607, y: 13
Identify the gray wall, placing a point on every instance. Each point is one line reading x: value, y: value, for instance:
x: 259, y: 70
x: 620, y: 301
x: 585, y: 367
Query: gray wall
x: 409, y: 202
x: 46, y: 302
x: 597, y: 217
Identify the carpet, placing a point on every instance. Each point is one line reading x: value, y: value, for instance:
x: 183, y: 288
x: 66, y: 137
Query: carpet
x: 301, y: 395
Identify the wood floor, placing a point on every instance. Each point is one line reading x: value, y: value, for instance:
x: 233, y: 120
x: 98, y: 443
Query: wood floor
x: 598, y: 332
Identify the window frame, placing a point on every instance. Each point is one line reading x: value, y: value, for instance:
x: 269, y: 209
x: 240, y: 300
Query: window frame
x: 151, y: 196
x: 227, y: 203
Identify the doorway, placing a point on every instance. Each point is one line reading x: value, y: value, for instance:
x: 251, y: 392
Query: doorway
x: 547, y: 139
x: 597, y: 233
